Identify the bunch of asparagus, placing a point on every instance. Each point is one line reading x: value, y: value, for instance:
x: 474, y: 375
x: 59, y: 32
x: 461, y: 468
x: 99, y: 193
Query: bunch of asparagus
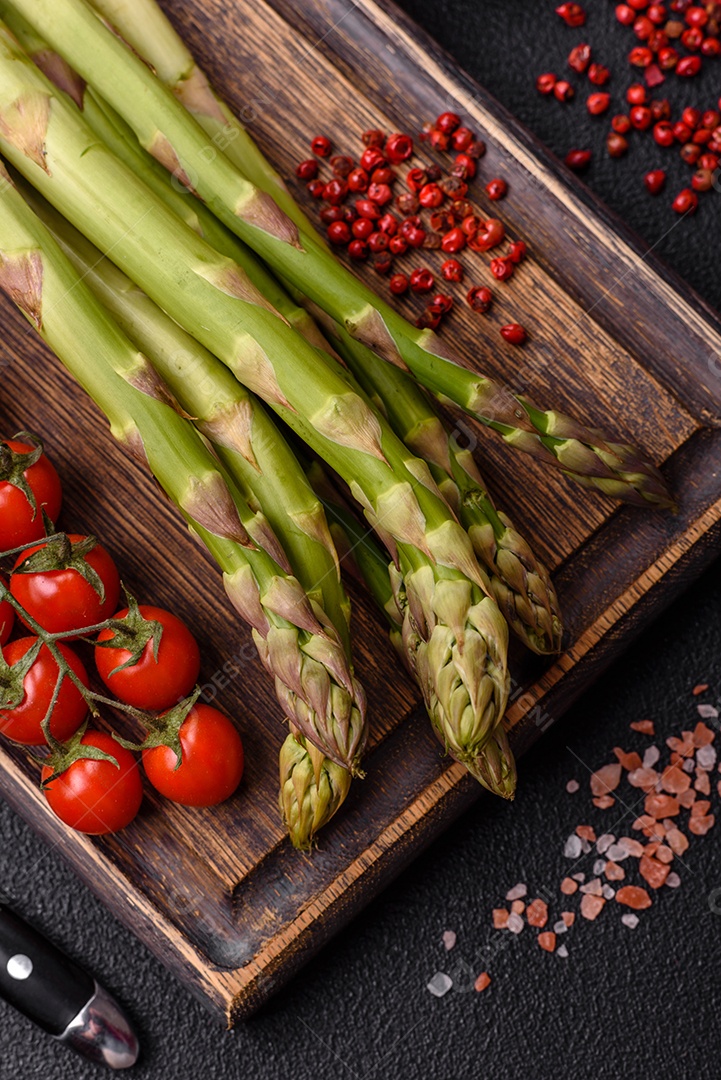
x: 188, y: 320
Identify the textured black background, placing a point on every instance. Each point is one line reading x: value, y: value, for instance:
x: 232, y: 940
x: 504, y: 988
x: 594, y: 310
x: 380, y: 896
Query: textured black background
x: 625, y: 1004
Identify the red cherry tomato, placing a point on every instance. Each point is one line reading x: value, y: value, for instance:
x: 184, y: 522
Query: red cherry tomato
x: 22, y: 724
x: 96, y: 797
x: 19, y: 522
x: 212, y: 764
x: 7, y: 618
x: 62, y: 600
x: 152, y: 684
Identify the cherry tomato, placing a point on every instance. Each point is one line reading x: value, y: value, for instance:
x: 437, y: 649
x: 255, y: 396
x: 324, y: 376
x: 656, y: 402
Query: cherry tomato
x: 7, y: 618
x: 62, y: 600
x: 95, y: 797
x: 19, y: 522
x: 22, y: 724
x: 152, y: 684
x: 212, y: 764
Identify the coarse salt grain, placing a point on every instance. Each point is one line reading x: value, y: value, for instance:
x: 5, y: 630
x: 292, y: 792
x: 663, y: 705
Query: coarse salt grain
x: 547, y: 940
x: 592, y: 906
x: 633, y: 847
x: 569, y: 917
x: 606, y: 779
x: 599, y: 866
x: 586, y: 832
x: 706, y: 757
x: 440, y: 984
x: 586, y: 846
x: 572, y: 850
x: 607, y: 892
x: 515, y: 923
x: 617, y: 853
x: 673, y: 880
x: 592, y: 888
x: 689, y: 765
x: 604, y: 842
x: 569, y: 886
x: 560, y: 927
x: 572, y: 787
x: 700, y: 688
x: 707, y: 712
x: 482, y: 982
x: 651, y: 757
x: 644, y: 726
x: 537, y: 913
x: 629, y: 919
x: 580, y: 876
x: 562, y: 951
x: 517, y: 892
x: 500, y: 919
x: 604, y: 802
x: 449, y: 939
x: 614, y: 872
x: 633, y: 896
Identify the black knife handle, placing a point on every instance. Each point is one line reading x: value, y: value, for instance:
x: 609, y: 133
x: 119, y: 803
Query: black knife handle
x: 39, y: 980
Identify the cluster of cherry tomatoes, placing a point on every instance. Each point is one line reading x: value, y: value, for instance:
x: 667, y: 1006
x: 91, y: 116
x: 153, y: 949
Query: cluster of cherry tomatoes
x: 65, y: 587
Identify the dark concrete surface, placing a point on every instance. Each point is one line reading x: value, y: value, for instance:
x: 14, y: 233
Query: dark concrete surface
x: 625, y: 1004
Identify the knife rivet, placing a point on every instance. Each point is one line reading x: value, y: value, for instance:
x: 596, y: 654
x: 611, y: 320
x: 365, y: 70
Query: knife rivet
x: 19, y: 966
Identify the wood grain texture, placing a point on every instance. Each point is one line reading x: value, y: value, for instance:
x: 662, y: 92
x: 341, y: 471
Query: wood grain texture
x: 219, y: 894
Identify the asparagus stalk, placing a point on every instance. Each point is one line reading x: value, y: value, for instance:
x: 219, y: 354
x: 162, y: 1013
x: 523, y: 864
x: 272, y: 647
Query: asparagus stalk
x: 494, y: 767
x: 176, y: 139
x: 440, y: 581
x: 255, y: 455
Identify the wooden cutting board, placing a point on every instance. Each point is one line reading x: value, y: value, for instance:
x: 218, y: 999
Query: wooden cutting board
x: 219, y: 895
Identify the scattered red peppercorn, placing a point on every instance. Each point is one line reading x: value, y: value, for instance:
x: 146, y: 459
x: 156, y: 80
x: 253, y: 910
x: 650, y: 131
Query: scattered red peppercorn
x: 653, y: 75
x: 335, y: 192
x: 362, y: 228
x: 470, y: 225
x: 461, y: 139
x: 625, y: 14
x: 447, y: 122
x: 640, y: 57
x: 696, y: 16
x: 701, y: 136
x: 702, y: 180
x: 371, y: 158
x: 660, y: 109
x: 657, y: 14
x: 690, y: 153
x: 388, y: 224
x: 422, y: 280
x: 439, y: 140
x: 368, y: 209
x: 640, y: 117
x: 480, y: 298
x: 383, y: 175
x: 398, y: 245
x: 329, y: 214
x: 514, y: 333
x: 442, y: 303
x: 415, y: 235
x: 681, y: 132
x: 663, y: 133
x: 433, y: 241
x: 598, y: 74
x: 373, y: 138
x: 490, y: 234
x: 477, y: 149
x: 655, y: 181
x: 572, y: 14
x: 667, y: 58
x: 380, y: 194
x: 398, y: 148
x: 621, y: 124
x: 579, y: 58
x: 643, y: 28
x: 452, y: 270
x: 442, y: 221
x: 636, y: 94
x: 357, y: 180
x: 711, y: 118
x: 416, y: 178
x: 598, y: 103
x: 685, y: 202
x: 563, y: 91
x: 316, y: 189
x: 711, y: 46
x: 339, y: 233
x: 709, y: 161
x: 429, y: 320
x: 465, y: 167
x: 307, y: 170
x: 454, y: 241
x: 578, y: 159
x: 358, y: 249
x: 382, y: 263
x: 496, y: 189
x: 341, y: 166
x: 546, y: 83
x: 430, y: 196
x: 688, y: 66
x: 408, y: 203
x: 616, y: 144
x: 378, y: 241
x: 398, y: 284
x: 517, y: 251
x: 321, y: 146
x: 502, y: 269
